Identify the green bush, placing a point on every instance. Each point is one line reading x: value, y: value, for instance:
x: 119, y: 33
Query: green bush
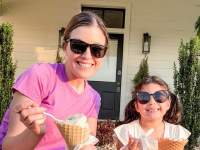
x: 7, y: 67
x: 142, y: 72
x: 187, y: 87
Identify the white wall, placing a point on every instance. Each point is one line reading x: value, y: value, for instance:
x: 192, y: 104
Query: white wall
x: 36, y: 25
x: 167, y: 22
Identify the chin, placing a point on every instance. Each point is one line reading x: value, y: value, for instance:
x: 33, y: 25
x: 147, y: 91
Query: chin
x: 85, y: 76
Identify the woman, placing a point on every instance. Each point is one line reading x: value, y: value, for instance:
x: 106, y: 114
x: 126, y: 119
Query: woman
x: 59, y: 89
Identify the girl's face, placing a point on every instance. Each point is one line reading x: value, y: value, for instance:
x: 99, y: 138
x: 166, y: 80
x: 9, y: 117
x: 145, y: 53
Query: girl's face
x: 152, y: 111
x: 83, y: 66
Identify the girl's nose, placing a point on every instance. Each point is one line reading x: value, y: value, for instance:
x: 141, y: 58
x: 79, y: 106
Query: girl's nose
x: 87, y: 53
x: 152, y: 100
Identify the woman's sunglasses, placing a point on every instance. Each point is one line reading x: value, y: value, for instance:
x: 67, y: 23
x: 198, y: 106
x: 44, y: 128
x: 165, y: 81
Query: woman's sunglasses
x: 79, y: 47
x: 159, y: 96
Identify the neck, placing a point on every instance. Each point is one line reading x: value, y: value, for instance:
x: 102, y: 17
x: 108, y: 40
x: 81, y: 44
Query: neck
x: 157, y: 125
x: 77, y: 84
x: 150, y: 124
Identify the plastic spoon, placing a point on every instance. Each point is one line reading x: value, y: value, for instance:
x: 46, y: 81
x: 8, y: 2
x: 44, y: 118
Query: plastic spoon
x: 53, y: 117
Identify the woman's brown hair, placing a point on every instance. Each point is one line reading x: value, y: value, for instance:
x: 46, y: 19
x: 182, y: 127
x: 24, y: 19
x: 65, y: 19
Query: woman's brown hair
x: 173, y: 115
x: 85, y: 18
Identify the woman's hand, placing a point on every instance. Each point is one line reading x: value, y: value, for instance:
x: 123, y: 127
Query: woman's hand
x: 32, y: 116
x: 133, y: 144
x: 88, y: 147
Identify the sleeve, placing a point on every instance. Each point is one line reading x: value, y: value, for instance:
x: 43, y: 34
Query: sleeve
x: 33, y: 83
x: 177, y: 132
x: 182, y: 133
x: 4, y: 127
x: 96, y: 104
x: 122, y: 133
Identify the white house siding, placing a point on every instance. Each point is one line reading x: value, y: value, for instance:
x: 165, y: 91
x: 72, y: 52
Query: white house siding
x: 36, y: 24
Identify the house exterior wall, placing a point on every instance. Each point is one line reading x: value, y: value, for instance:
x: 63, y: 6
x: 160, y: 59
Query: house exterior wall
x: 36, y: 25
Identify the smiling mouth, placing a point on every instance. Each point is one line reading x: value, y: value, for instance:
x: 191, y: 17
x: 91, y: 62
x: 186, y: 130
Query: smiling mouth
x: 152, y: 110
x: 85, y: 65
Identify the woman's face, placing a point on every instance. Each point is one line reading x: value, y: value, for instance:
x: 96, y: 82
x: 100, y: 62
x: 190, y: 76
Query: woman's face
x: 152, y: 110
x: 83, y: 66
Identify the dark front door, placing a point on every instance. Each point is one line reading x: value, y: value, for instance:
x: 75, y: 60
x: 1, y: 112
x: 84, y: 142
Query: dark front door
x: 108, y: 80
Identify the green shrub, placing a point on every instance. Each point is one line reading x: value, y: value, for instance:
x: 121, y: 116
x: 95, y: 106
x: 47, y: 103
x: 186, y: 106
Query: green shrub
x: 7, y: 67
x: 142, y: 72
x: 187, y: 87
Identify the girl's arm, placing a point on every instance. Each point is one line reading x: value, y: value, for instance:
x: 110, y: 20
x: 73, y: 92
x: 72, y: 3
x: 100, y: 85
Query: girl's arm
x: 133, y: 144
x: 117, y: 143
x: 26, y: 121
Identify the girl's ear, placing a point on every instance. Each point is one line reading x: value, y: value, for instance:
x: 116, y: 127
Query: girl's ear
x: 169, y: 104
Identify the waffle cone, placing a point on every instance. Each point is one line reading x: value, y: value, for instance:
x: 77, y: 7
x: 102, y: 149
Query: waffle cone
x: 73, y: 134
x: 167, y: 144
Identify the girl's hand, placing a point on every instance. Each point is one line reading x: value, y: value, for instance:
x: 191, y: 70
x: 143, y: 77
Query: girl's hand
x: 133, y: 144
x: 32, y: 117
x: 88, y: 147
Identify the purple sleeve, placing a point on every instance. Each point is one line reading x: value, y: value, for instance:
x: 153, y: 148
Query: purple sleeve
x: 4, y: 127
x: 33, y: 83
x: 94, y: 111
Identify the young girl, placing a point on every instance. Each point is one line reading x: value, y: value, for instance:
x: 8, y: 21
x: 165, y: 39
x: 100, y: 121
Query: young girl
x: 154, y: 112
x: 59, y: 89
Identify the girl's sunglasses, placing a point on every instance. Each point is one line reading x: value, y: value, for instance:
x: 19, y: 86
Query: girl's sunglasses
x: 79, y: 47
x: 159, y: 96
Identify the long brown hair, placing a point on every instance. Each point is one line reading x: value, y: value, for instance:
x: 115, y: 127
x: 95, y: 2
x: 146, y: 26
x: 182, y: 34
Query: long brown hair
x: 85, y: 18
x: 173, y: 115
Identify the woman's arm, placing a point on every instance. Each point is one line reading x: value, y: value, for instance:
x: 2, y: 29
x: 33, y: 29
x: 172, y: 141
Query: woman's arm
x: 26, y: 122
x: 93, y: 125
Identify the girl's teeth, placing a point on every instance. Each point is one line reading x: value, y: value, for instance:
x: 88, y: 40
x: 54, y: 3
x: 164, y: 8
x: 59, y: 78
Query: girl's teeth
x: 152, y: 110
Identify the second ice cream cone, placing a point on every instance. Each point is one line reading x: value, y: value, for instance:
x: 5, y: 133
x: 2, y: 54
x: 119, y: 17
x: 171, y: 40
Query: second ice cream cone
x: 167, y: 144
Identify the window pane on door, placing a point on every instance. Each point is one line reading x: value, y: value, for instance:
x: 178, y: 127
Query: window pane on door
x: 108, y: 69
x: 114, y: 18
x: 97, y: 11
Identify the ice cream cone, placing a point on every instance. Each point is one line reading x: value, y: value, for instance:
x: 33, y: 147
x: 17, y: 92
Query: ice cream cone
x: 168, y: 144
x: 73, y: 134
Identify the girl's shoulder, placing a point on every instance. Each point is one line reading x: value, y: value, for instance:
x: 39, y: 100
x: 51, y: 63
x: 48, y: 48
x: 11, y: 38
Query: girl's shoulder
x: 127, y: 126
x: 176, y: 131
x: 123, y: 131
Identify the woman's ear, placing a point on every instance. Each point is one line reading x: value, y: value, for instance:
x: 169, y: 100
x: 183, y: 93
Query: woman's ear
x: 64, y: 46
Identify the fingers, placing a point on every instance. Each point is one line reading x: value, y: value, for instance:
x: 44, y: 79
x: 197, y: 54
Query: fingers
x: 32, y: 116
x: 29, y: 119
x: 88, y: 147
x: 32, y: 113
x: 133, y: 144
x: 19, y: 107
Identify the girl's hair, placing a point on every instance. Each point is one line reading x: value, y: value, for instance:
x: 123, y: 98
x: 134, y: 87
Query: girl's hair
x: 85, y: 18
x: 173, y: 115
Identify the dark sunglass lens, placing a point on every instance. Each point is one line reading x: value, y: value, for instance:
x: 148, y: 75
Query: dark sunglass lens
x: 77, y: 46
x: 98, y: 51
x: 143, y: 97
x: 161, y: 96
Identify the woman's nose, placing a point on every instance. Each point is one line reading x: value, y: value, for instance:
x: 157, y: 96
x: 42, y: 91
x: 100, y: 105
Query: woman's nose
x: 87, y: 53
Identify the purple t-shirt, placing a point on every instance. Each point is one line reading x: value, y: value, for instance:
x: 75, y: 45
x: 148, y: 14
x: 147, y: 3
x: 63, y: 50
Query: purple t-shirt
x: 46, y: 84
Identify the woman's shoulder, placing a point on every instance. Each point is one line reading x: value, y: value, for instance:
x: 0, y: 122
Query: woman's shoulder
x: 92, y: 91
x: 176, y: 131
x: 46, y: 67
x: 44, y: 71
